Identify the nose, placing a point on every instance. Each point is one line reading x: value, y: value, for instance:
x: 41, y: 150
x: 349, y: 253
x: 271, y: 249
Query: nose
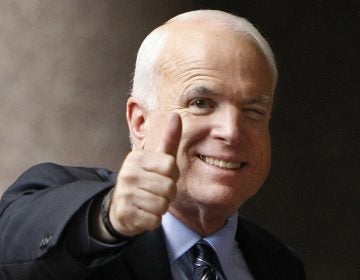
x: 228, y: 127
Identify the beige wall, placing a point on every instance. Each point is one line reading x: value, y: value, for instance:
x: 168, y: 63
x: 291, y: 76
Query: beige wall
x: 65, y: 68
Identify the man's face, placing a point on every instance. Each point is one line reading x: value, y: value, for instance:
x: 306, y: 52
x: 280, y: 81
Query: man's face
x: 222, y: 87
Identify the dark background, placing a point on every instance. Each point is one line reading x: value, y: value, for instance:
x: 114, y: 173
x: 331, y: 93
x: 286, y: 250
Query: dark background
x: 65, y: 70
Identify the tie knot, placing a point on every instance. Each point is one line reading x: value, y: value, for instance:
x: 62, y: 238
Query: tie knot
x: 205, y: 254
x: 206, y: 263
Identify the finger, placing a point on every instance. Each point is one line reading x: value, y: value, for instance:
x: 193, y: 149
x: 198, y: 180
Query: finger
x: 151, y: 203
x: 159, y: 163
x: 159, y: 185
x: 170, y: 135
x: 138, y: 221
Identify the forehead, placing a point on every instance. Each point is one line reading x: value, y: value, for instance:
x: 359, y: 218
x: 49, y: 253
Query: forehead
x: 196, y: 52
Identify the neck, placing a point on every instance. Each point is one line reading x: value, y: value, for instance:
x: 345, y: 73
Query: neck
x: 203, y: 221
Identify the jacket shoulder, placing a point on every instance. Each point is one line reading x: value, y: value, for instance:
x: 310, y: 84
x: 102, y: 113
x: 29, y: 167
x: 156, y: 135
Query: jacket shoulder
x: 51, y: 175
x: 265, y: 252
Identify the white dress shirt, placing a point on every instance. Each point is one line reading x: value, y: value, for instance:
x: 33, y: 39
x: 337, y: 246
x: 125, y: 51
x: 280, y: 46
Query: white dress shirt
x: 179, y: 239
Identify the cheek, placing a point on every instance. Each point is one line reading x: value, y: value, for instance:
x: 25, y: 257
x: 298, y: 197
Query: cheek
x: 267, y: 146
x: 262, y: 146
x: 259, y: 148
x: 260, y: 139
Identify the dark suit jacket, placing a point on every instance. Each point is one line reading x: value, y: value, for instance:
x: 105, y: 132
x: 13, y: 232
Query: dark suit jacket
x: 43, y: 235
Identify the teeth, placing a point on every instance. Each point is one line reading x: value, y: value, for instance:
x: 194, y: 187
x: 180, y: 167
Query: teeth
x: 221, y: 163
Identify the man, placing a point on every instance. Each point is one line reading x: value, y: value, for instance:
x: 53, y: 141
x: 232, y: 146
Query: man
x: 199, y: 123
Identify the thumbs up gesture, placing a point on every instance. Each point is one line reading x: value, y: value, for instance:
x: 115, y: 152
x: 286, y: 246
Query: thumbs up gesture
x: 146, y: 184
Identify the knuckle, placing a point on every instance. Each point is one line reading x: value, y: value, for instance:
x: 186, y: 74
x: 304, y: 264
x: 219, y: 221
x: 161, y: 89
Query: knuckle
x: 163, y: 205
x: 168, y: 166
x: 171, y: 163
x: 170, y: 188
x: 137, y: 225
x: 127, y: 175
x: 154, y: 222
x: 122, y: 197
x: 171, y: 160
x: 168, y: 183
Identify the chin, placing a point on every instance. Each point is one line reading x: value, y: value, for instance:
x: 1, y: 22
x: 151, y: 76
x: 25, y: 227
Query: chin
x: 223, y: 197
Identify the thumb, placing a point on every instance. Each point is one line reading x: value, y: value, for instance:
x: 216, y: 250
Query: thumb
x: 170, y: 135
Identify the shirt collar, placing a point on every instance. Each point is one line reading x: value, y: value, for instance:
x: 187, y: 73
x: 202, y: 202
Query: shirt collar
x: 180, y: 238
x: 223, y: 240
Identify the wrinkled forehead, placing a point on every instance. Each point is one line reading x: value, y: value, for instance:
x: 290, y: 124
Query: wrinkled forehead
x: 208, y: 46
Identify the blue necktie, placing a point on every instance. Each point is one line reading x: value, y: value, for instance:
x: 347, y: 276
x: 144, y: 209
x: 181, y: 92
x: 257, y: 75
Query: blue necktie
x: 206, y: 263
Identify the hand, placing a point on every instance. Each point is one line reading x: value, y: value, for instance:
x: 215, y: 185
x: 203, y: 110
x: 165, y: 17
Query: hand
x: 146, y: 184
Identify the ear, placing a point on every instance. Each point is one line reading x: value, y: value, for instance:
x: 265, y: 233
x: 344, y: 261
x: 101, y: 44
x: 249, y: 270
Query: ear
x: 136, y: 115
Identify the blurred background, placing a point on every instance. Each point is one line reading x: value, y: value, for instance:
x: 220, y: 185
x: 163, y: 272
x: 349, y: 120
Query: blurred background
x: 65, y: 72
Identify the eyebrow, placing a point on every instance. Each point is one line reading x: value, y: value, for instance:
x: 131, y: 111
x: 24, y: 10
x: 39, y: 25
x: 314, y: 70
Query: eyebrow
x: 261, y: 99
x: 201, y: 90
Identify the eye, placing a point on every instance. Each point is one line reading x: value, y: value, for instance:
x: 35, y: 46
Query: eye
x: 202, y: 103
x: 254, y: 113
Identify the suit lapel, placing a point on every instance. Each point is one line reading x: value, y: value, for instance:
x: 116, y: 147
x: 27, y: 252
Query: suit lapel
x: 147, y: 257
x: 249, y: 245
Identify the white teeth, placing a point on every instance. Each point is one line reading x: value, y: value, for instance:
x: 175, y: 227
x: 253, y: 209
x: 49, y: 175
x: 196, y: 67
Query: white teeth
x: 221, y: 163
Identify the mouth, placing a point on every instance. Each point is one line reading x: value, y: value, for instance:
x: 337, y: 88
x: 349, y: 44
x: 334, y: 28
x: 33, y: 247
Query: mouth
x: 223, y: 164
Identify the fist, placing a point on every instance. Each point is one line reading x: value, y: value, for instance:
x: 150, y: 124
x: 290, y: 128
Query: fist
x: 146, y: 184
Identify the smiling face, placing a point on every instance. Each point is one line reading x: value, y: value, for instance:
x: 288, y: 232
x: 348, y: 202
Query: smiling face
x: 222, y: 87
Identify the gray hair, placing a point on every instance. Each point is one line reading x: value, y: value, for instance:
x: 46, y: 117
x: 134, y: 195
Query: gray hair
x: 149, y: 51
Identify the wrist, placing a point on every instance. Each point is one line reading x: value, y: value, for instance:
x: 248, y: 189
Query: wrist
x: 97, y: 225
x: 105, y: 218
